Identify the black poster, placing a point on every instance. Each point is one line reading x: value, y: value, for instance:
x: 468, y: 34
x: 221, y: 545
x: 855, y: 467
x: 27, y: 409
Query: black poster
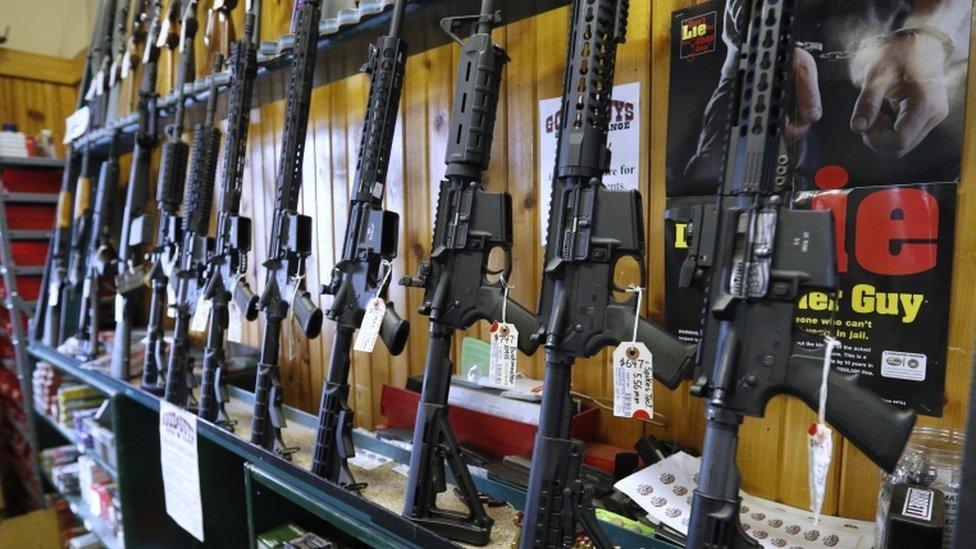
x: 890, y: 179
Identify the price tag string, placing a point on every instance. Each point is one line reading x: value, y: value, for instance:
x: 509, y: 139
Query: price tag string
x: 505, y: 289
x: 640, y: 296
x: 387, y: 267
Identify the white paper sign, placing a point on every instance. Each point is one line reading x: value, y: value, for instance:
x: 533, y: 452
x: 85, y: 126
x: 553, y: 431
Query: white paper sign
x: 370, y: 328
x: 503, y: 357
x: 633, y: 381
x: 181, y: 471
x: 624, y: 142
x: 170, y: 300
x: 76, y: 124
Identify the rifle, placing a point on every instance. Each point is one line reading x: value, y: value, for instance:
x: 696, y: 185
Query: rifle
x: 590, y: 229
x: 291, y: 243
x: 756, y: 257
x: 169, y: 193
x: 97, y: 255
x: 228, y: 264
x: 48, y: 316
x: 193, y: 254
x: 103, y: 56
x: 370, y: 243
x: 130, y: 276
x: 470, y: 223
x: 119, y: 44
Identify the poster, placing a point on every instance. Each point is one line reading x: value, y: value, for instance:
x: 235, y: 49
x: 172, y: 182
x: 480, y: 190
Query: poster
x: 624, y: 143
x: 180, y: 468
x: 891, y: 185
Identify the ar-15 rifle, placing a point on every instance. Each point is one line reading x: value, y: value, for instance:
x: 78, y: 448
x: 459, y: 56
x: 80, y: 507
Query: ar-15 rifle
x: 193, y: 254
x: 370, y: 244
x: 119, y: 44
x: 65, y: 254
x: 97, y: 255
x: 470, y: 223
x: 136, y: 228
x: 169, y: 192
x: 97, y: 96
x: 291, y: 243
x: 228, y: 264
x: 590, y: 229
x: 756, y: 257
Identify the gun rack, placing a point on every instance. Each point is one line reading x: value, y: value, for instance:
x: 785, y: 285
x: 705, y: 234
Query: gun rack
x: 342, y: 47
x: 242, y: 483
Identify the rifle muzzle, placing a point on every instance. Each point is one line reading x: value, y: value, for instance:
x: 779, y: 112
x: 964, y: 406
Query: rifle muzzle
x: 308, y: 315
x: 395, y: 331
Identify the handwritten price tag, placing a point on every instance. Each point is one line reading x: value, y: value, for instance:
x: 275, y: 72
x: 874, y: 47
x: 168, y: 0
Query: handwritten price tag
x: 370, y: 328
x: 633, y: 381
x: 503, y: 358
x: 201, y: 314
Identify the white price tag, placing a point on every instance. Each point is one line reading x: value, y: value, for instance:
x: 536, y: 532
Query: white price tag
x: 170, y: 301
x: 235, y: 322
x: 119, y: 309
x: 503, y: 358
x: 821, y: 447
x: 370, y: 328
x: 198, y: 323
x: 53, y: 294
x: 180, y: 467
x: 633, y: 381
x: 76, y: 124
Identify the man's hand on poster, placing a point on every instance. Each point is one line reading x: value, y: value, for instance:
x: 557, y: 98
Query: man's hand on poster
x: 903, y: 92
x: 809, y: 108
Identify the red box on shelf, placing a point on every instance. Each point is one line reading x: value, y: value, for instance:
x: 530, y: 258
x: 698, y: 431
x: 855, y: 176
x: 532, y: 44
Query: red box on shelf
x: 29, y: 287
x: 30, y: 217
x: 29, y: 253
x: 19, y: 180
x: 499, y: 435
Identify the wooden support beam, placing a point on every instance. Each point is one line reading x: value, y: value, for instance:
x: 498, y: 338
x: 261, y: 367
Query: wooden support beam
x: 43, y: 68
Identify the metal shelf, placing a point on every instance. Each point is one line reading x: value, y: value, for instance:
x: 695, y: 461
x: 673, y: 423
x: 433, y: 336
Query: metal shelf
x: 341, y: 52
x: 69, y: 435
x: 32, y: 162
x: 31, y: 198
x: 29, y: 234
x: 93, y: 523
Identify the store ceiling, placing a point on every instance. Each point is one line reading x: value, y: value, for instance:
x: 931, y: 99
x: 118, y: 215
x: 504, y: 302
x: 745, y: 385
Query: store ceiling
x: 59, y: 28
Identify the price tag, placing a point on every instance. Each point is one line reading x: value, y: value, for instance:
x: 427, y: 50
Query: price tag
x: 76, y: 124
x: 198, y: 323
x: 235, y: 323
x: 503, y: 359
x: 633, y: 381
x: 370, y: 328
x: 53, y: 294
x: 119, y: 310
x: 181, y: 468
x: 821, y: 447
x: 170, y: 301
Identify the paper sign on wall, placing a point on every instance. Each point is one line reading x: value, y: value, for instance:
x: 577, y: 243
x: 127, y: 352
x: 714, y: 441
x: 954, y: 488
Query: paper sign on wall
x: 624, y: 143
x: 180, y: 468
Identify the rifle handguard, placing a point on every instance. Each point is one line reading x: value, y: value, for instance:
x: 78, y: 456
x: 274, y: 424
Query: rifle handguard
x: 308, y: 315
x: 394, y: 331
x: 877, y: 428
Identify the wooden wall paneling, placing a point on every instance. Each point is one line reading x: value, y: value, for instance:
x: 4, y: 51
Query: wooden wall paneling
x: 321, y: 211
x: 416, y: 246
x: 395, y: 201
x: 522, y: 177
